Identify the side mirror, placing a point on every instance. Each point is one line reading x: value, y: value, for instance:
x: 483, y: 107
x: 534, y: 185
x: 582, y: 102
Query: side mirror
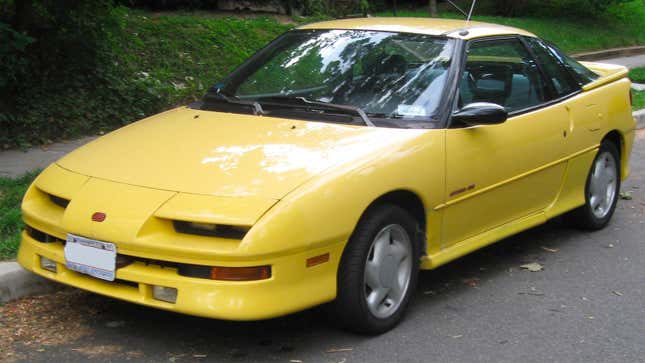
x: 480, y: 113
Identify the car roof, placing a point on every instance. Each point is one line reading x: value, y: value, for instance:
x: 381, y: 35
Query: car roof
x: 431, y: 26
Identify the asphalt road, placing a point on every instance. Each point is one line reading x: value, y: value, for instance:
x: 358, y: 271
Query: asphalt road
x: 587, y: 304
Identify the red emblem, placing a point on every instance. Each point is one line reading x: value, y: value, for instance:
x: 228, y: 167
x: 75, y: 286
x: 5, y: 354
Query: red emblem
x: 98, y: 216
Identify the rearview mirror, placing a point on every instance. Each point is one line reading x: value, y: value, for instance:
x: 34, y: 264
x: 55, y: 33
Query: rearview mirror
x: 480, y: 113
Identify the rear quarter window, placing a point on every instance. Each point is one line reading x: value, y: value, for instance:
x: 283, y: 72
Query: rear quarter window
x: 582, y: 74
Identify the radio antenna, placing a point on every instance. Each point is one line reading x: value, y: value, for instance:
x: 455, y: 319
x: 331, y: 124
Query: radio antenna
x: 470, y: 13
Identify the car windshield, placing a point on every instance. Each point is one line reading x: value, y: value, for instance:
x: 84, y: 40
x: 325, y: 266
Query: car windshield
x: 386, y: 75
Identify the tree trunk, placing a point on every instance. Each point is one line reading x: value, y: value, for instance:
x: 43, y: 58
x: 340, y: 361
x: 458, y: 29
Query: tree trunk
x: 433, y: 8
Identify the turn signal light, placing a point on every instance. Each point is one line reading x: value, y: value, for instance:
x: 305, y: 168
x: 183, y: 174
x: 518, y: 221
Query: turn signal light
x: 241, y: 273
x: 314, y: 261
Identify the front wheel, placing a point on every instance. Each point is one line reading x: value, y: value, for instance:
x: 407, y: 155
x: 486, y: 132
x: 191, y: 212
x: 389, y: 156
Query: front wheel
x: 378, y: 271
x: 601, y: 190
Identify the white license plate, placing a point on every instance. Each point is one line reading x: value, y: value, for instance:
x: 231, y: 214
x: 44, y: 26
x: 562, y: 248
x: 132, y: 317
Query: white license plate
x: 90, y: 257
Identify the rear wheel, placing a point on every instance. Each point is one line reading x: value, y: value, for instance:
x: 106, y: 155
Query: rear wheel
x: 378, y: 271
x: 601, y: 190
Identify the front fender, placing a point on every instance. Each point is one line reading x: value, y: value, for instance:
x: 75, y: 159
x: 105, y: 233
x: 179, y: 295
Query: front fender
x: 325, y: 210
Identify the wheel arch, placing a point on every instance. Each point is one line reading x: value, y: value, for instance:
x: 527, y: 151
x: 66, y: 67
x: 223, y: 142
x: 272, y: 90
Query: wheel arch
x: 615, y: 137
x: 410, y: 202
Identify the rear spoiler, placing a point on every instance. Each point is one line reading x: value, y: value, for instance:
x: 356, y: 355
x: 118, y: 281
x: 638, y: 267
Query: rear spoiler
x: 608, y: 73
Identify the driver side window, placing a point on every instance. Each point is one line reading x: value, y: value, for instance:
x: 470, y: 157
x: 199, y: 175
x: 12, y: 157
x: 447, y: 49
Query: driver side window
x: 502, y: 72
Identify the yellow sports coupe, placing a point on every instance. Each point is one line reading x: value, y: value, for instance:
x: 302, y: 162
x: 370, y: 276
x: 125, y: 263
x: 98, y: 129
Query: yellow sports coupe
x: 330, y: 167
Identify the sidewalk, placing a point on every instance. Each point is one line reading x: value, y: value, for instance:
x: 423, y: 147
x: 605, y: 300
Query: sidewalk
x: 14, y: 163
x: 629, y: 61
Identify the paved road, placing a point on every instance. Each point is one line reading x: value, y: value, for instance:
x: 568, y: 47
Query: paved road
x: 586, y: 305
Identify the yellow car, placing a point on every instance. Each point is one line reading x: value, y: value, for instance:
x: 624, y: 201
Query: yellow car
x: 333, y: 165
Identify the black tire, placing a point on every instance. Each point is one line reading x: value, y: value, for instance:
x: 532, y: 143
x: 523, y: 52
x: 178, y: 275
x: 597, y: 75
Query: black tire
x: 583, y: 217
x: 350, y: 309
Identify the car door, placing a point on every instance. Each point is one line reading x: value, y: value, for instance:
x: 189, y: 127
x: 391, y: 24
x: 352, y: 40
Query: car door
x: 500, y: 173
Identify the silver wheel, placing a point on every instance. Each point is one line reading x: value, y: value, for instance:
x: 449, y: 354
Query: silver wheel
x: 602, y: 185
x: 388, y: 270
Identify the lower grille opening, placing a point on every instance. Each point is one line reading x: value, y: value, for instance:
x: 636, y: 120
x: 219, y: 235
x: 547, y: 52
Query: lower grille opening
x: 41, y: 236
x: 127, y: 283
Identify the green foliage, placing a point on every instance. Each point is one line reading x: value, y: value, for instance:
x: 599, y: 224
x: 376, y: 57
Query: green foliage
x: 11, y: 192
x: 574, y: 8
x: 54, y: 49
x: 139, y: 66
x: 637, y: 75
x: 639, y: 100
x: 315, y: 7
x: 175, y: 58
x: 571, y: 35
x: 12, y: 43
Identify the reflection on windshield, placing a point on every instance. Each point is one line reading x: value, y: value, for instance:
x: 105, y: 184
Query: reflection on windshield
x: 386, y: 74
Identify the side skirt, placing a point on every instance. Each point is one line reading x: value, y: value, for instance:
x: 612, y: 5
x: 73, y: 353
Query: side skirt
x: 481, y: 240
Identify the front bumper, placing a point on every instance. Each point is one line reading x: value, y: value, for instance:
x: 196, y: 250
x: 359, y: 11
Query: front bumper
x: 292, y: 286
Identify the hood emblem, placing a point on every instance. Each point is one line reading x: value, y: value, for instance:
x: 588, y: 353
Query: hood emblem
x: 98, y: 216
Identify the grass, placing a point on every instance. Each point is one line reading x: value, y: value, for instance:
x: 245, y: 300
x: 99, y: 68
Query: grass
x: 570, y: 34
x: 637, y: 75
x: 11, y: 192
x: 179, y: 55
x: 639, y: 99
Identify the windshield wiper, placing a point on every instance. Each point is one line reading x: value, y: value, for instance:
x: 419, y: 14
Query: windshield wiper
x: 218, y: 96
x: 302, y: 102
x: 384, y: 115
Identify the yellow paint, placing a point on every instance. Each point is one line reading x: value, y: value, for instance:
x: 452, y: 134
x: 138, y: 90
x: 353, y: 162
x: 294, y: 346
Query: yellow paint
x: 609, y: 73
x: 303, y: 186
x: 449, y: 27
x: 244, y: 211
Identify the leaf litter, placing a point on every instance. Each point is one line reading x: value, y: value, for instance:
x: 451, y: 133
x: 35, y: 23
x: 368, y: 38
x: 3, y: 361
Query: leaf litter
x: 37, y: 322
x: 552, y: 250
x: 626, y: 195
x: 533, y: 267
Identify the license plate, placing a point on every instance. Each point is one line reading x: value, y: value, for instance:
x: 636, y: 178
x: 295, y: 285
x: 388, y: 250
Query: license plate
x: 90, y: 257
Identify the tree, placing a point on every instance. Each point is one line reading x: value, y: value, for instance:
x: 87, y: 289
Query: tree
x: 510, y: 7
x: 433, y: 8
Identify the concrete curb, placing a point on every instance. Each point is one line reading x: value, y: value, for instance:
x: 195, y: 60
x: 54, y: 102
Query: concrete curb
x: 640, y: 119
x: 16, y: 282
x: 610, y: 53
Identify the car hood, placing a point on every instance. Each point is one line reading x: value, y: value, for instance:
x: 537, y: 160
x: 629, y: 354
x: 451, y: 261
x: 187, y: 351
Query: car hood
x: 227, y: 155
